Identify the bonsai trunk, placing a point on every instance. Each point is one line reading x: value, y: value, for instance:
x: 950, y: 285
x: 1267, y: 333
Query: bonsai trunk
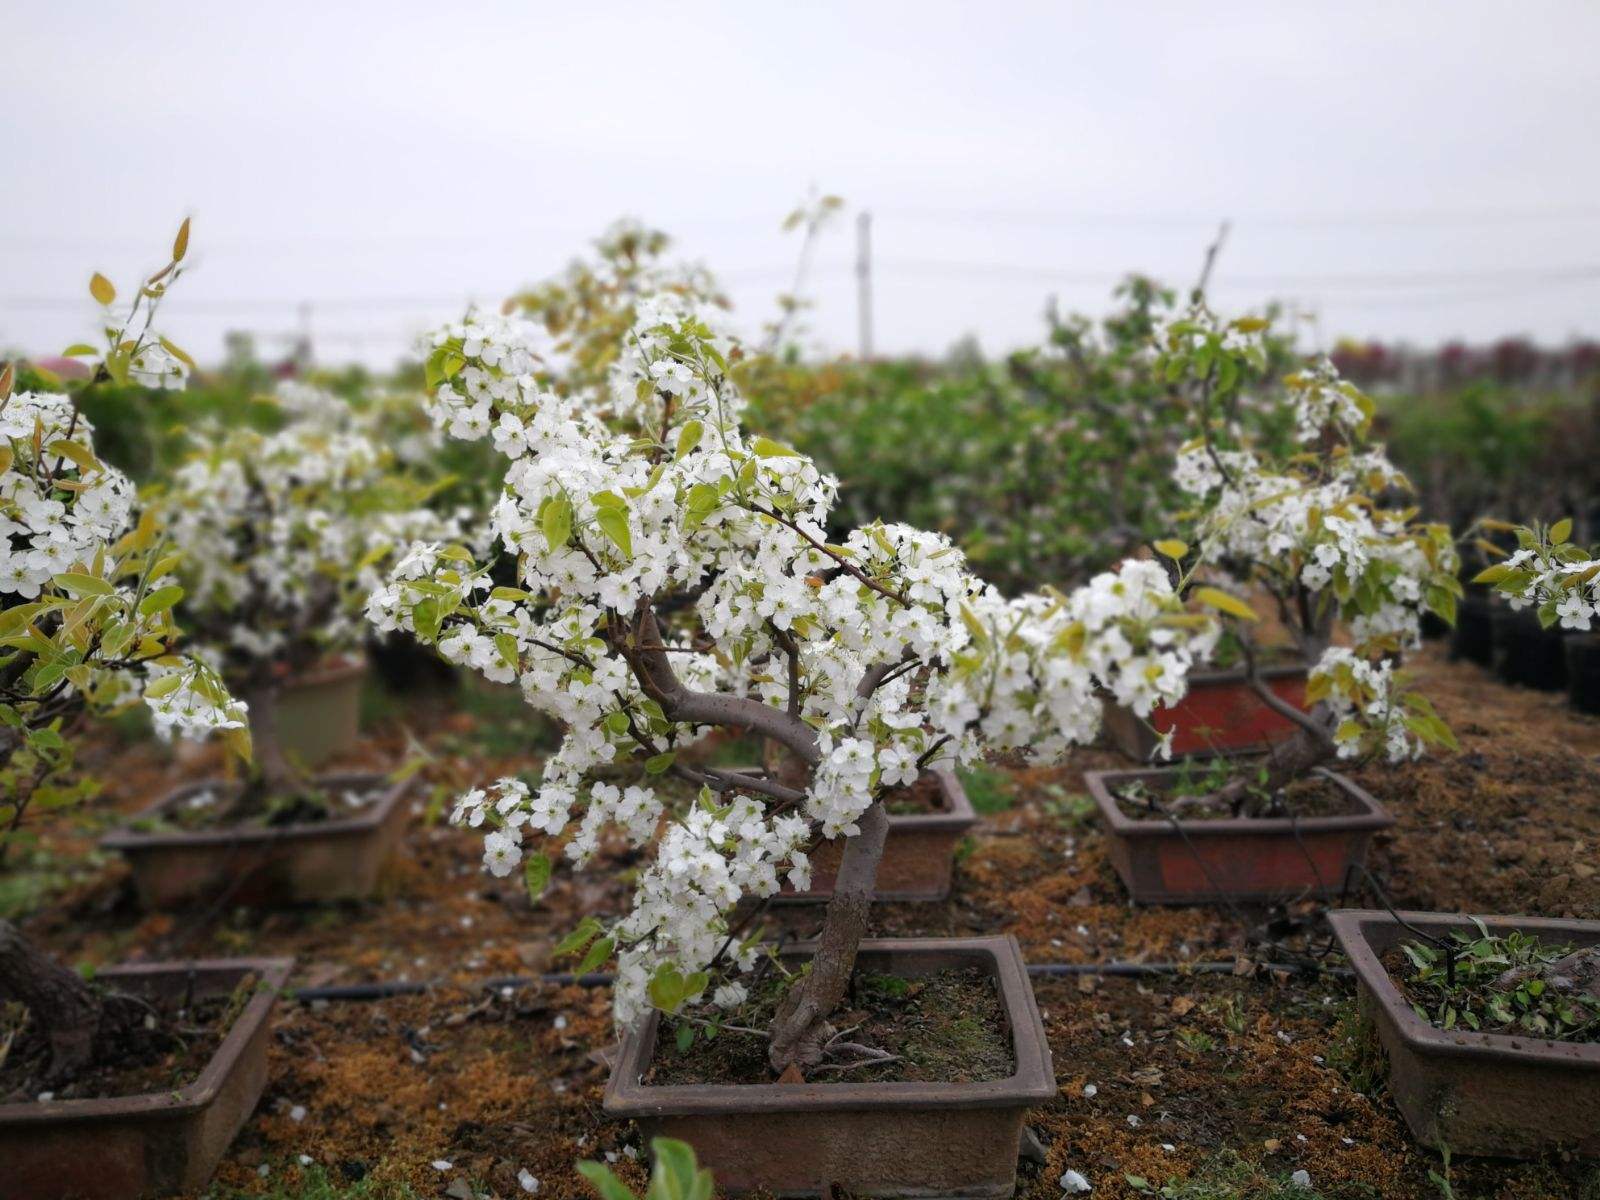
x: 1297, y: 756
x: 275, y: 775
x: 60, y: 1002
x: 800, y: 1030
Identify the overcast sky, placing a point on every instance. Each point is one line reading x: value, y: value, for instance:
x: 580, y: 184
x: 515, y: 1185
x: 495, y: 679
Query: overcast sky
x: 1407, y: 171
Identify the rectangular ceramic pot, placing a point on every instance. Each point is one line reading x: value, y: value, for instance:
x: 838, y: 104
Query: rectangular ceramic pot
x: 1475, y: 1093
x: 319, y: 711
x: 290, y: 864
x: 1247, y: 858
x: 1219, y: 714
x: 869, y: 1139
x: 918, y: 854
x: 158, y: 1143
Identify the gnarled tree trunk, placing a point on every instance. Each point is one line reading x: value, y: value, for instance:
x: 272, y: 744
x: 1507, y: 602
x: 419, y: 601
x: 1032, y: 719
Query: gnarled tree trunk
x: 800, y: 1030
x: 275, y: 774
x: 64, y: 1007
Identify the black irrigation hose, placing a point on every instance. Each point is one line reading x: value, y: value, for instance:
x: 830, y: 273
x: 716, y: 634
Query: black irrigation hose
x: 411, y: 987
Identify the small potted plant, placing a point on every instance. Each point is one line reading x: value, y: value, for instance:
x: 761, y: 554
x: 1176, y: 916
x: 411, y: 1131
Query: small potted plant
x: 1491, y: 1026
x: 282, y: 534
x: 1313, y: 535
x: 86, y: 626
x: 672, y: 577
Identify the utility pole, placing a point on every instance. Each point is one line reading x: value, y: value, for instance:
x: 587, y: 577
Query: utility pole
x: 864, y: 283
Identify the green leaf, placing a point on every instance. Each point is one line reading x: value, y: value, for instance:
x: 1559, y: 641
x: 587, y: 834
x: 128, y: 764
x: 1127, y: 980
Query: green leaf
x: 587, y: 930
x: 101, y: 289
x: 689, y: 437
x: 604, y: 1180
x: 536, y: 874
x: 676, y: 1174
x: 767, y: 448
x: 613, y: 523
x: 684, y: 1037
x: 160, y: 600
x: 1173, y: 548
x: 1222, y: 601
x: 660, y: 764
x: 163, y: 686
x: 556, y: 521
x: 598, y: 953
x: 80, y: 584
x: 1561, y: 530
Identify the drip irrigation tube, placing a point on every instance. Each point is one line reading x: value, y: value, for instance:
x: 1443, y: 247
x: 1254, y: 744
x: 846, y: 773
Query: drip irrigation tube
x: 389, y: 989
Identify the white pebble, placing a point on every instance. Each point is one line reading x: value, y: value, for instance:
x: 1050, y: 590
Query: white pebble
x: 297, y: 1113
x: 1089, y: 1091
x: 1300, y: 1179
x: 525, y: 1178
x: 442, y: 1164
x: 561, y: 1022
x: 1075, y: 1184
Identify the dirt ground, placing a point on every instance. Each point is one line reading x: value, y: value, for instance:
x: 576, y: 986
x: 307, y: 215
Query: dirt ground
x: 1248, y: 1077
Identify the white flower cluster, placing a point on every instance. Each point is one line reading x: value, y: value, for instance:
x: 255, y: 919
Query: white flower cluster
x: 674, y: 573
x: 1372, y: 712
x: 1315, y: 522
x: 64, y: 518
x: 44, y: 529
x: 1560, y: 579
x: 292, y: 529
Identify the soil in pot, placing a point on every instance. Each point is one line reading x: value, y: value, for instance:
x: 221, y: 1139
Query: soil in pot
x: 1527, y: 654
x: 1514, y: 983
x: 945, y: 1027
x: 1314, y: 796
x: 1583, y: 672
x: 922, y: 798
x: 256, y: 808
x: 164, y: 1052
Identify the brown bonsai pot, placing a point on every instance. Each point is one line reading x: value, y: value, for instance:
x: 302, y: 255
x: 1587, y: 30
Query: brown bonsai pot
x: 1219, y: 714
x: 158, y: 1143
x: 319, y: 711
x: 315, y: 861
x: 1475, y: 1093
x: 1233, y: 858
x: 870, y: 1139
x: 918, y: 854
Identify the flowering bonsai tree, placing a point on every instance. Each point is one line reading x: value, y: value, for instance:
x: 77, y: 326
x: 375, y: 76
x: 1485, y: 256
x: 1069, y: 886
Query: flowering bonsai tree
x: 284, y: 534
x: 672, y: 576
x: 86, y: 626
x: 1319, y: 536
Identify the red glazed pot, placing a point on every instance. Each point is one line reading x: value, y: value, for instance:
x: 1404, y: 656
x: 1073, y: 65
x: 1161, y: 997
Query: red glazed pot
x: 1219, y: 714
x: 1475, y: 1093
x: 868, y: 1139
x: 158, y: 1143
x: 291, y: 864
x: 1247, y: 858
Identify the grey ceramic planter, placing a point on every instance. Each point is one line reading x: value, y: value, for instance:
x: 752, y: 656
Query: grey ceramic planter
x: 869, y: 1139
x: 1475, y: 1093
x: 158, y: 1143
x: 290, y: 864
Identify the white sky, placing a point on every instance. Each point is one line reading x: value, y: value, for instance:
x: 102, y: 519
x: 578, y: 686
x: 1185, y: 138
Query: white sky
x: 1410, y: 171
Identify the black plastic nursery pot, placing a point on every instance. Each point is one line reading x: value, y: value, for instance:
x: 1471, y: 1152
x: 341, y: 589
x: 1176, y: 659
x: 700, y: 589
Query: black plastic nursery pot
x: 909, y: 1139
x: 316, y: 861
x: 1472, y: 640
x: 1235, y: 858
x: 157, y: 1143
x: 1526, y: 654
x: 1475, y: 1093
x: 1583, y: 672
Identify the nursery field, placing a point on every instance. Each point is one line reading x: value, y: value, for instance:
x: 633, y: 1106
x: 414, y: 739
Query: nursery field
x: 1216, y: 1084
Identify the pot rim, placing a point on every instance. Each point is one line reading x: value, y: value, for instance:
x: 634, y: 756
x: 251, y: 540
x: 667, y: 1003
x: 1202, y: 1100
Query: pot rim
x: 1370, y: 814
x: 336, y: 668
x: 203, y: 1090
x: 1218, y: 676
x: 129, y: 839
x: 1032, y: 1082
x: 958, y: 817
x: 1351, y: 927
